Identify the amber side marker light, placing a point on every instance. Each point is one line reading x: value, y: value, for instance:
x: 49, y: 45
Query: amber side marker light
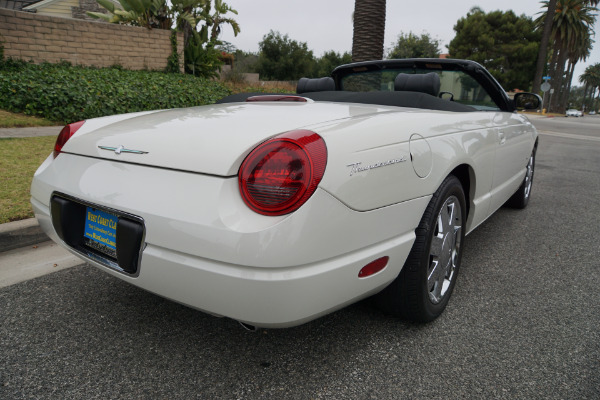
x: 64, y: 135
x: 373, y: 267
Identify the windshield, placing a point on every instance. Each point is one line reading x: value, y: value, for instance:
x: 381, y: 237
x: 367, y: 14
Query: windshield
x: 455, y: 85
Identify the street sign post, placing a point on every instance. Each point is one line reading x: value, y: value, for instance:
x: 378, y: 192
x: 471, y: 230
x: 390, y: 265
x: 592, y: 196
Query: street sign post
x: 545, y: 87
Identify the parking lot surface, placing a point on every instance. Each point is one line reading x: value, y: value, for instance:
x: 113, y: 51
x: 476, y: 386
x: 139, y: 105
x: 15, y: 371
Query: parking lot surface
x: 522, y: 323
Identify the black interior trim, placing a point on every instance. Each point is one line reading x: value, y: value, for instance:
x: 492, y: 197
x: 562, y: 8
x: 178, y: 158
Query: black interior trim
x: 315, y: 84
x: 396, y: 99
x: 471, y: 68
x: 427, y: 83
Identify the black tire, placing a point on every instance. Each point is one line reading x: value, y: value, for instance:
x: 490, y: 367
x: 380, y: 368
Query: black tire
x: 411, y: 295
x: 521, y: 197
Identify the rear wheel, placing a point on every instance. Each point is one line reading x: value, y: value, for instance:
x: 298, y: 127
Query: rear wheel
x: 424, y: 286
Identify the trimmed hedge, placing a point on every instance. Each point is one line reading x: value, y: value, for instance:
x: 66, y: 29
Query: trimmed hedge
x: 67, y: 93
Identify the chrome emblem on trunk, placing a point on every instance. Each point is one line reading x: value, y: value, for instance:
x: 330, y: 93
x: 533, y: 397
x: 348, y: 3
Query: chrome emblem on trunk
x: 122, y: 149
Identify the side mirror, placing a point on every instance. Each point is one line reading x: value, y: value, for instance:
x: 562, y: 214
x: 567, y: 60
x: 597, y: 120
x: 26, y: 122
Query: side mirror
x: 527, y: 101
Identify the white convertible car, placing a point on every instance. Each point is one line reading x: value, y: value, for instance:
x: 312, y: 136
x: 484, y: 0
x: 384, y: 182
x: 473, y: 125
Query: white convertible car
x: 276, y: 209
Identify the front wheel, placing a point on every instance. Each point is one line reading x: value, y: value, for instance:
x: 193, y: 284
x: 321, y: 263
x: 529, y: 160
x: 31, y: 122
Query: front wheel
x: 520, y: 198
x: 422, y: 290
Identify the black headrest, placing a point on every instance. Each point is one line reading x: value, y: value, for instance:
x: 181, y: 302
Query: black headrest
x: 315, y: 85
x: 425, y: 83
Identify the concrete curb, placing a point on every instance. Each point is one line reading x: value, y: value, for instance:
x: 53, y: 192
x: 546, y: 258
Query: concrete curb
x: 14, y: 235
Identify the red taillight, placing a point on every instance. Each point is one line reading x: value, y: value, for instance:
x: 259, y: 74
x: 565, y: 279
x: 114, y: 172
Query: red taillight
x: 373, y: 267
x: 279, y: 176
x: 64, y: 135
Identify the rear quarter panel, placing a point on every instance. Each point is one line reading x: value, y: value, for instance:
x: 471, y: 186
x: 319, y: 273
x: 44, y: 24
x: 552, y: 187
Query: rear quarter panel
x: 453, y: 139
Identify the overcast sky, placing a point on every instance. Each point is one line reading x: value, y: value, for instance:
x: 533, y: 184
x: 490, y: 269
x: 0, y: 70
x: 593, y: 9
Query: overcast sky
x: 327, y: 24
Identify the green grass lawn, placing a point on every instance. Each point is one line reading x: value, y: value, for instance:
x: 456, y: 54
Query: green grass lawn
x: 19, y: 159
x: 15, y: 120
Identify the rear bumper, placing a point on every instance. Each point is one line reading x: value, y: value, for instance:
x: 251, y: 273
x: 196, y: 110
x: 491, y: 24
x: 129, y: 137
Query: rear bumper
x: 205, y: 249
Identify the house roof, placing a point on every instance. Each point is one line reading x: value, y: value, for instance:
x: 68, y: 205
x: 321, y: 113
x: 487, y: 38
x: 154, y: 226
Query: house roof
x: 34, y: 5
x: 17, y: 4
x: 39, y: 3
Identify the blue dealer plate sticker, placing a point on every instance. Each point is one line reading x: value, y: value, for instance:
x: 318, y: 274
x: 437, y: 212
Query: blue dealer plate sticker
x: 101, y: 228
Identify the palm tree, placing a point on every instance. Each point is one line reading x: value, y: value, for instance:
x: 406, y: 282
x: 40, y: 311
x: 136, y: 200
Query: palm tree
x: 369, y: 30
x: 543, y: 51
x: 201, y: 10
x: 581, y: 51
x: 191, y: 9
x: 572, y: 22
x: 591, y: 79
x: 585, y: 78
x: 594, y: 84
x: 217, y: 19
x: 201, y: 55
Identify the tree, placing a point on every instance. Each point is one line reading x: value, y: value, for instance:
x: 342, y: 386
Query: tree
x: 328, y: 61
x: 413, y: 46
x: 245, y: 61
x: 571, y: 34
x: 201, y: 58
x: 283, y: 59
x: 200, y: 25
x: 504, y: 43
x: 146, y: 13
x: 580, y: 51
x: 576, y: 97
x: 217, y: 19
x: 369, y: 30
x: 201, y: 34
x: 591, y: 79
x: 543, y: 51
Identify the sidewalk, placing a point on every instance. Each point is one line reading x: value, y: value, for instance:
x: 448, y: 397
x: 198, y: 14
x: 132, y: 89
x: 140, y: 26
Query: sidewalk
x: 30, y: 132
x: 538, y: 115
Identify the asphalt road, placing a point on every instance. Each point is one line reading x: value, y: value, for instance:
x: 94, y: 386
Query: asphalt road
x: 586, y: 126
x: 523, y: 322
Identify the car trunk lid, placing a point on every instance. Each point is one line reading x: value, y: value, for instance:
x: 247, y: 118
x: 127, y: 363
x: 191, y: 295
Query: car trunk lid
x: 211, y: 139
